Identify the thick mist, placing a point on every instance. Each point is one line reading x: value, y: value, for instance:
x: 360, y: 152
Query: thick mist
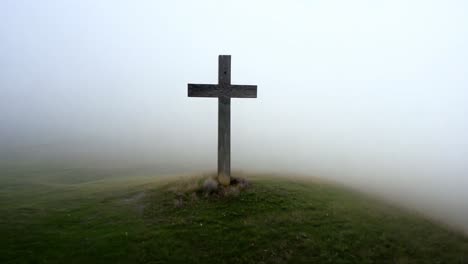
x: 368, y: 93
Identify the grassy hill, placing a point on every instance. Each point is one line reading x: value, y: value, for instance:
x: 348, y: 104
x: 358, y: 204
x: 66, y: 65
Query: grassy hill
x: 93, y: 216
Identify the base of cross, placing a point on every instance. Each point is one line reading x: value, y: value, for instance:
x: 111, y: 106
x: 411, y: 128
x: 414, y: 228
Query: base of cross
x: 224, y: 179
x: 212, y: 187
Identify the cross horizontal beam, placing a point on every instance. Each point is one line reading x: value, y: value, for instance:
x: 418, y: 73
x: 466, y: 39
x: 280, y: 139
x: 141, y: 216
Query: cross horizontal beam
x: 216, y: 90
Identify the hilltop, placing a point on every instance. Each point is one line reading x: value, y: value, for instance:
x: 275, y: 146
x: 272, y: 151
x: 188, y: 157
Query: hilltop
x: 58, y: 218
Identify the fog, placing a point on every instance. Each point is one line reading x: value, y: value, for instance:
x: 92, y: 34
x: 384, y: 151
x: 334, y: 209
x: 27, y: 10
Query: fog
x: 371, y: 94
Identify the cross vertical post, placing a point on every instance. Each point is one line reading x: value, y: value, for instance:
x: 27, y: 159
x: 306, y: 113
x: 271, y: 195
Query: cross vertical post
x: 224, y: 121
x: 224, y: 91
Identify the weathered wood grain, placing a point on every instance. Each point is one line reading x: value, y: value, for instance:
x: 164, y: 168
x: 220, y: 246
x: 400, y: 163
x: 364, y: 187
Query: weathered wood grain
x: 224, y: 121
x: 203, y: 90
x: 224, y: 91
x: 213, y: 90
x: 242, y: 91
x: 224, y: 140
x: 224, y: 69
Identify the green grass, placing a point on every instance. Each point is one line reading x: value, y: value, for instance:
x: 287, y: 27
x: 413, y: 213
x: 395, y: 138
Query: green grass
x: 92, y: 216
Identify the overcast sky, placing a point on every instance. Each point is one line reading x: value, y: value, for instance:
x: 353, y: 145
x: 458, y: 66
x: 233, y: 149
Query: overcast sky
x: 370, y: 93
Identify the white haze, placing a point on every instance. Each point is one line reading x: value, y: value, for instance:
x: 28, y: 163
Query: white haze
x: 372, y: 94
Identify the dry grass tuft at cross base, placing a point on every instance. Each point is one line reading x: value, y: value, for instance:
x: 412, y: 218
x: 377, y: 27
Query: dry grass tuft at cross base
x: 191, y: 189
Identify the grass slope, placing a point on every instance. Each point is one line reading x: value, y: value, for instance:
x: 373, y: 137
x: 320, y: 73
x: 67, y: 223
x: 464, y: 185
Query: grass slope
x: 46, y: 218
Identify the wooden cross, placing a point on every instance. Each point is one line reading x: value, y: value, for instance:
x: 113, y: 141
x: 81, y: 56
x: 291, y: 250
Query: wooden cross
x: 224, y: 91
